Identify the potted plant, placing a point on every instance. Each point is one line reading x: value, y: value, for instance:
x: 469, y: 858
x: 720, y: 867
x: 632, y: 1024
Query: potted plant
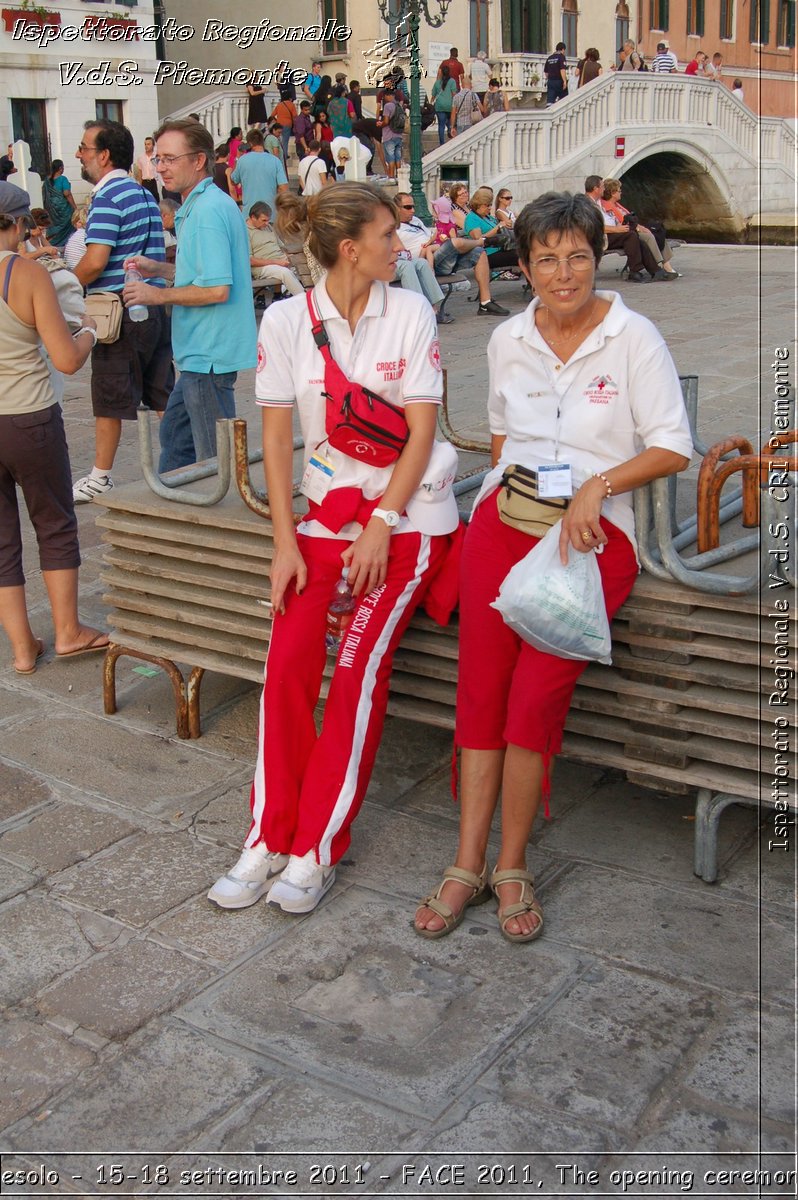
x: 29, y: 14
x: 98, y: 26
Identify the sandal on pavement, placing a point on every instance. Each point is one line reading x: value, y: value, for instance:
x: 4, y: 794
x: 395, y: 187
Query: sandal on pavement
x: 39, y: 652
x: 451, y: 920
x: 100, y: 641
x: 526, y: 903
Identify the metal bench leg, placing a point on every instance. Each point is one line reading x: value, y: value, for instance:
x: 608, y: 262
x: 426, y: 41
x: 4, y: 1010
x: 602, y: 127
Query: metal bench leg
x: 193, y: 701
x: 709, y: 806
x: 447, y: 289
x: 115, y: 652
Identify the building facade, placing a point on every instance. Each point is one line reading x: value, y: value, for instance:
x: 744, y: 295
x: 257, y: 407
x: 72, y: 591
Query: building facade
x: 249, y: 36
x: 755, y: 37
x: 68, y: 63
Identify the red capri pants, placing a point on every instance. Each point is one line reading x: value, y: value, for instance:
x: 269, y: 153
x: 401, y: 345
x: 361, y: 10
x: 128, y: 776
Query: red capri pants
x: 308, y: 789
x: 508, y: 692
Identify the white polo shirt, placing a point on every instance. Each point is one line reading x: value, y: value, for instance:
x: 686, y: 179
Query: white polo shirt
x: 413, y: 235
x: 618, y: 395
x: 394, y: 351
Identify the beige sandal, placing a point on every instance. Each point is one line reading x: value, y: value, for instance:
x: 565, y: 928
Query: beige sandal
x: 525, y: 904
x: 451, y: 919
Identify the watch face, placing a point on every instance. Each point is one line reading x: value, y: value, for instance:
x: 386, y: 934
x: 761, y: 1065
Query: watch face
x: 392, y: 518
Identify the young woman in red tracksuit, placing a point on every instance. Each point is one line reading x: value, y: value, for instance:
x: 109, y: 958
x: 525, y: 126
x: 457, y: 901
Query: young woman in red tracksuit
x: 379, y: 522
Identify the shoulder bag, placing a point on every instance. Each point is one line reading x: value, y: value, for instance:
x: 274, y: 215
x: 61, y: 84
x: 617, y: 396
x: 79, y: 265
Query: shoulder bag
x: 106, y: 308
x: 358, y: 422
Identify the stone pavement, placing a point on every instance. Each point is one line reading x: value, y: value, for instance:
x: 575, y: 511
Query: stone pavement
x: 649, y: 1031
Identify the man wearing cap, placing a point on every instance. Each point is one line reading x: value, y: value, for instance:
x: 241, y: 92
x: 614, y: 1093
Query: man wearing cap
x: 630, y: 59
x: 664, y: 60
x: 14, y: 202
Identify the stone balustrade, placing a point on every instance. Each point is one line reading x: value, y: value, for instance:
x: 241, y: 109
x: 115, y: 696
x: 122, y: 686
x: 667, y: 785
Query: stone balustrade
x: 556, y: 147
x: 750, y: 160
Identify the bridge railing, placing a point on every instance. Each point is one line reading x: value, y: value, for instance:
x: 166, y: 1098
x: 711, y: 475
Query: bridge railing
x: 219, y: 111
x: 544, y: 139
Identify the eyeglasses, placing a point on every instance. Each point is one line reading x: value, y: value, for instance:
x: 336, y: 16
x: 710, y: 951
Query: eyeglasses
x: 505, y: 197
x: 407, y: 206
x: 548, y: 265
x: 166, y: 160
x: 82, y: 148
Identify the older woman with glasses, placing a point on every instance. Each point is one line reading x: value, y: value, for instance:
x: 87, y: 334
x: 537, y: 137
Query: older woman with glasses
x: 580, y: 381
x: 482, y: 225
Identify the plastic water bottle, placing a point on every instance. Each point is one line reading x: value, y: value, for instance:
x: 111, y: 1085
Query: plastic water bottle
x: 138, y: 312
x: 340, y: 611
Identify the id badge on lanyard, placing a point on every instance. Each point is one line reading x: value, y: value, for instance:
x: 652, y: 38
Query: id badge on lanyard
x: 554, y: 480
x: 317, y: 478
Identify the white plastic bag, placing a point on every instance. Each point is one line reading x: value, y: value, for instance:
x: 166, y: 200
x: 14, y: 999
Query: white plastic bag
x: 559, y: 609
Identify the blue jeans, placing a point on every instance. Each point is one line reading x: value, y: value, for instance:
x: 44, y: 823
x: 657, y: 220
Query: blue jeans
x: 416, y: 275
x: 555, y: 90
x: 448, y: 259
x: 188, y: 428
x: 285, y: 138
x: 444, y: 126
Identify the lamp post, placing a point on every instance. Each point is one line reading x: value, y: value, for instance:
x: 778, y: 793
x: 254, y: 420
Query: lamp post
x: 411, y: 11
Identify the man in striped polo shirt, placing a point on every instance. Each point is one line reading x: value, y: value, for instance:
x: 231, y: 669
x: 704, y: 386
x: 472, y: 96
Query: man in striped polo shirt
x: 124, y: 220
x: 665, y: 61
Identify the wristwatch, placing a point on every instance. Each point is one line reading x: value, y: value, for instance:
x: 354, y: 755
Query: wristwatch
x: 387, y: 515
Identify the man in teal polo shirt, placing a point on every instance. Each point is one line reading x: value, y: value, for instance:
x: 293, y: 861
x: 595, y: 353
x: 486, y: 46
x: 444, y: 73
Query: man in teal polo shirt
x: 213, y: 320
x: 260, y: 174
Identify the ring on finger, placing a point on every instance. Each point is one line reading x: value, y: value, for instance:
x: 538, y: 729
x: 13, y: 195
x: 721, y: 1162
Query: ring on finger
x: 586, y: 535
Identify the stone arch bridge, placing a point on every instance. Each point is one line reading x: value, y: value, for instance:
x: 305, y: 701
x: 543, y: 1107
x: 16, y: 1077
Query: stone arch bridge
x: 693, y: 155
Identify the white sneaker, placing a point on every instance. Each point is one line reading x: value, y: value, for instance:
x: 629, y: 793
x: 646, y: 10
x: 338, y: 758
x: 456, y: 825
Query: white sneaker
x: 302, y: 884
x: 251, y: 878
x: 89, y: 486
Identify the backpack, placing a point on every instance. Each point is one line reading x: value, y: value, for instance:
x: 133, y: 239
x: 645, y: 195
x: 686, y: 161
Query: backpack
x: 396, y: 121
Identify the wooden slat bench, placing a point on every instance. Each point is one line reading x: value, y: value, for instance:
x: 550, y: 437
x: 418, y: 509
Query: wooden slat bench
x: 680, y: 708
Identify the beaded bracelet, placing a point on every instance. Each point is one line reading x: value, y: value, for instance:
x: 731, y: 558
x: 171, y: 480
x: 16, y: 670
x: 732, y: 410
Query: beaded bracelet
x: 605, y: 481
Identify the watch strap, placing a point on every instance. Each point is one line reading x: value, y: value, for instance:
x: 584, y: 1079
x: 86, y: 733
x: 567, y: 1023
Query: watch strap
x: 388, y: 515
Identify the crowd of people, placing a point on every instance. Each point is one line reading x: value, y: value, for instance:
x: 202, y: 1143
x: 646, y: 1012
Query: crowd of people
x: 561, y: 80
x: 180, y: 237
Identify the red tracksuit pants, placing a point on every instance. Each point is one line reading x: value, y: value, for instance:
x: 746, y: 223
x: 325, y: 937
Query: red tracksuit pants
x: 309, y: 787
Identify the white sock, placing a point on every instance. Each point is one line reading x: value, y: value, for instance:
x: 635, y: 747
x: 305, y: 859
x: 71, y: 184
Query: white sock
x: 99, y: 473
